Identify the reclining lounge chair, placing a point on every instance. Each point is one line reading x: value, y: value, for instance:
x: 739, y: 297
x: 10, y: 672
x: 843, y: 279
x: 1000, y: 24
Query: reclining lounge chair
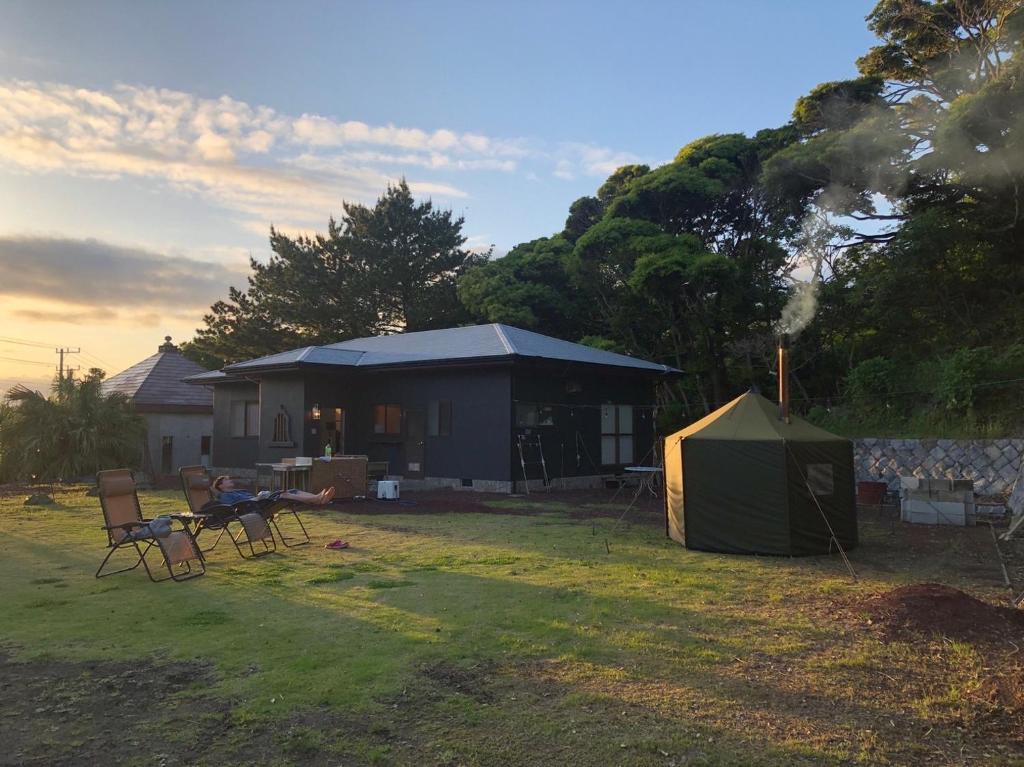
x: 253, y: 527
x: 127, y: 529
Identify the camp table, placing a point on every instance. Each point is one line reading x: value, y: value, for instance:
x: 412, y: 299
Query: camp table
x: 649, y: 475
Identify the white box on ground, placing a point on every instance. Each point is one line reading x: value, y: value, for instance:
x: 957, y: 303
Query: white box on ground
x: 387, y: 490
x: 926, y: 512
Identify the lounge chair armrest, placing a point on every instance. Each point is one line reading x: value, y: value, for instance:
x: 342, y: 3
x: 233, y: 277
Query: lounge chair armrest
x: 126, y: 525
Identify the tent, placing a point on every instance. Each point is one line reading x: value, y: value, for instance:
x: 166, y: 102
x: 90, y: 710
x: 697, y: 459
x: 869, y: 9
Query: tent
x: 741, y: 480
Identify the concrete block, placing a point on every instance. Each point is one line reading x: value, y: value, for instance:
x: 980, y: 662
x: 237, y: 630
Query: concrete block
x: 929, y: 512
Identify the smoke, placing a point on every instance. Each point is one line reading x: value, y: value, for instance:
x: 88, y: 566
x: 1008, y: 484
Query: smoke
x: 800, y: 309
x: 818, y: 232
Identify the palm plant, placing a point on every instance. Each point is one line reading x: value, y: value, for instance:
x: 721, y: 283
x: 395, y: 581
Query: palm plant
x: 75, y: 431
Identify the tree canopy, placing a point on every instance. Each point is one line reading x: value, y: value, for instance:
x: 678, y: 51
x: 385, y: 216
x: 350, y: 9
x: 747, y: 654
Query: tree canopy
x: 393, y: 267
x: 76, y: 431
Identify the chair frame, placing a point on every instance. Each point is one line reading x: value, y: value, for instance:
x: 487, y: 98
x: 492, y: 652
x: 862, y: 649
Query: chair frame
x: 279, y: 509
x: 219, y: 516
x: 130, y: 541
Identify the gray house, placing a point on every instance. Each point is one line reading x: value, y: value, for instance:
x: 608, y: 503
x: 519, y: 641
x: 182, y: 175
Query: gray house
x: 179, y: 417
x: 481, y: 407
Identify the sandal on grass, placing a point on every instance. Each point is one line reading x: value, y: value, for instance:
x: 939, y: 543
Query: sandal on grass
x: 338, y: 544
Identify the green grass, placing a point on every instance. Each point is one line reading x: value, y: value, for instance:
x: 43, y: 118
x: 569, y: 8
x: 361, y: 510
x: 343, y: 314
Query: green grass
x: 524, y: 639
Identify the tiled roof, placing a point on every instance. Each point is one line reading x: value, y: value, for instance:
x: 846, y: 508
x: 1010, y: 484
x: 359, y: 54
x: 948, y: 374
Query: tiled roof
x: 478, y: 342
x: 157, y: 381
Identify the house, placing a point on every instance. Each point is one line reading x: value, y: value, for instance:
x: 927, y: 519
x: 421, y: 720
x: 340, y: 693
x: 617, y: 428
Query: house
x: 479, y: 407
x: 179, y: 417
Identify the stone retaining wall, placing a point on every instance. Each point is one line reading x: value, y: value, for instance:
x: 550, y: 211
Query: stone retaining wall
x: 993, y: 464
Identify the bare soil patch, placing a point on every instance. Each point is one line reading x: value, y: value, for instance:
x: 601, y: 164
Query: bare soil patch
x: 576, y: 504
x: 57, y: 713
x: 934, y: 609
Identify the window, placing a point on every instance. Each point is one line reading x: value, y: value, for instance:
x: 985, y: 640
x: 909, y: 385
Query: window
x: 167, y: 455
x: 616, y: 434
x: 338, y: 429
x: 245, y: 418
x: 820, y: 479
x: 282, y: 429
x: 439, y: 418
x: 529, y: 415
x: 387, y: 419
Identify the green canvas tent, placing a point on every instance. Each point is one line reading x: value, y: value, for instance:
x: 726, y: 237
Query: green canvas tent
x: 740, y: 481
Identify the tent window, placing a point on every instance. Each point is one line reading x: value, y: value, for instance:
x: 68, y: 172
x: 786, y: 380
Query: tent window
x: 616, y: 434
x: 819, y: 478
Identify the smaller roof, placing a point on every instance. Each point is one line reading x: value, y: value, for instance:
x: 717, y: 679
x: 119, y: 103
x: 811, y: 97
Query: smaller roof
x: 157, y: 382
x: 751, y: 417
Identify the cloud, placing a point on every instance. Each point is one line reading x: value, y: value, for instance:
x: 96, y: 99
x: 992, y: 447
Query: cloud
x: 253, y: 160
x: 99, y: 281
x: 594, y: 160
x: 75, y: 317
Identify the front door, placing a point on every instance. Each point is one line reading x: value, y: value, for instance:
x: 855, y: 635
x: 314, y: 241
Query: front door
x: 415, y: 430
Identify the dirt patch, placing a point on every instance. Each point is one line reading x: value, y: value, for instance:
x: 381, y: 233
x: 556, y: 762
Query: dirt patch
x: 933, y: 609
x: 17, y: 488
x: 474, y: 682
x: 57, y: 713
x: 433, y: 502
x: 576, y: 504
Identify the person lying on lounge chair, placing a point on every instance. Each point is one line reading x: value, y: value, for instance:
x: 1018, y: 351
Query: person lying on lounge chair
x: 224, y: 492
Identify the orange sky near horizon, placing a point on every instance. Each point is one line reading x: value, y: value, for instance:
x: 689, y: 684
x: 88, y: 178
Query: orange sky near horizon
x: 31, y: 330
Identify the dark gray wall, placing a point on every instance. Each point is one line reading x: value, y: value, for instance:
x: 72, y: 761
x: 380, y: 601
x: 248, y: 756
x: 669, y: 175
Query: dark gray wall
x: 277, y: 392
x: 228, y: 451
x: 481, y: 420
x: 572, y: 446
x: 482, y: 443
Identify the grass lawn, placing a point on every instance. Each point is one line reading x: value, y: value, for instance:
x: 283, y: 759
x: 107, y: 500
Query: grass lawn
x: 531, y: 635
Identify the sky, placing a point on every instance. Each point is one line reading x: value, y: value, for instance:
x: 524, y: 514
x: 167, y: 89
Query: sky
x: 147, y: 148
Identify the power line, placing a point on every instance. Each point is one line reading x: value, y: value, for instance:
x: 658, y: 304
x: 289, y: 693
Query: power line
x: 37, y: 345
x: 24, y: 342
x: 28, y: 362
x: 106, y: 365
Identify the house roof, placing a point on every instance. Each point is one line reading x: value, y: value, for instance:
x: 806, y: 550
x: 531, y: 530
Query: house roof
x: 477, y: 343
x: 157, y: 382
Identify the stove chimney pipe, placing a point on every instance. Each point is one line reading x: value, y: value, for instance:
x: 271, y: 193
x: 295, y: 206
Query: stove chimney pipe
x: 784, y: 377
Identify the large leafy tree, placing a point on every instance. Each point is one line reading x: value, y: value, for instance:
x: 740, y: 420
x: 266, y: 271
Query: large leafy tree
x: 383, y: 269
x: 529, y: 287
x: 74, y: 432
x: 676, y: 264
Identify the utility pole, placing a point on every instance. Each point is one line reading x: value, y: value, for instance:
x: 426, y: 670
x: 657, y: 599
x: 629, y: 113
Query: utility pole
x: 62, y: 351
